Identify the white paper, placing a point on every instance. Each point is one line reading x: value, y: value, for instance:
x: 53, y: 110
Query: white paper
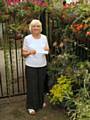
x: 42, y: 51
x: 39, y: 51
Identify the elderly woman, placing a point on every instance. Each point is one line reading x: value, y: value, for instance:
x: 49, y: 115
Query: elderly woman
x: 35, y: 48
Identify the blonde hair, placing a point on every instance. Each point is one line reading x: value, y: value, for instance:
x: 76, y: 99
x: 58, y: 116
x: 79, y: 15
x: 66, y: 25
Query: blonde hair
x: 35, y: 22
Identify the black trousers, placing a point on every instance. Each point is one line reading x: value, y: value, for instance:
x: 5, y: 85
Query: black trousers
x: 35, y: 79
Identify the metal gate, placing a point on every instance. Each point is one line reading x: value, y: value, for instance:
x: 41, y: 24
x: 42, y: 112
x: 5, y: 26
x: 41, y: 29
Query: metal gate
x: 12, y: 78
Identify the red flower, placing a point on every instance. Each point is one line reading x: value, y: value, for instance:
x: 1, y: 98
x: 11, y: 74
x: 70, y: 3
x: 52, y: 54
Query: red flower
x: 88, y: 33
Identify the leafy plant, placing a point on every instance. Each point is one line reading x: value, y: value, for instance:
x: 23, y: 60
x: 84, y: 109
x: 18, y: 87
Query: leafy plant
x: 71, y: 69
x: 81, y: 101
x: 61, y: 90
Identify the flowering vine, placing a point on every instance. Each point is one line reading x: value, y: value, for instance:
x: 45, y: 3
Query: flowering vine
x: 41, y: 3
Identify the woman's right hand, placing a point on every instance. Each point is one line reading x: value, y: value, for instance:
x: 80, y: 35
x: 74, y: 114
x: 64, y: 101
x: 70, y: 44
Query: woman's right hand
x: 33, y: 52
x: 26, y: 53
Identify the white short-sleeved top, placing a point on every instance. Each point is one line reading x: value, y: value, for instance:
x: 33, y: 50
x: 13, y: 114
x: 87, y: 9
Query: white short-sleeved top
x: 39, y: 59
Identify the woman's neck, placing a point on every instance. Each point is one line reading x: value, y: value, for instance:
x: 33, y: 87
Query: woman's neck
x: 36, y: 36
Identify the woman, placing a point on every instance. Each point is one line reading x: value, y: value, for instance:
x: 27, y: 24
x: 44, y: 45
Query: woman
x: 35, y: 48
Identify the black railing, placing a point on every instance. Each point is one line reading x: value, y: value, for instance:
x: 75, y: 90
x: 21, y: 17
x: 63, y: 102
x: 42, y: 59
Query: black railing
x: 12, y: 78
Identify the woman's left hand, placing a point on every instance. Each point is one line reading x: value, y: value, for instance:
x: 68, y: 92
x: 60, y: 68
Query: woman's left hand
x: 46, y: 48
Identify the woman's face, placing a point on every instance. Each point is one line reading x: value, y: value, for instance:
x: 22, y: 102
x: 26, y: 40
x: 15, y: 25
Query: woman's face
x: 36, y: 29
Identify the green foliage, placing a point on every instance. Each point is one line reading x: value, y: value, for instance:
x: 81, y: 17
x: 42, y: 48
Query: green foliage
x: 75, y: 81
x: 18, y: 17
x: 64, y: 64
x: 81, y: 100
x: 78, y: 72
x: 21, y: 10
x: 61, y: 90
x: 1, y: 5
x: 83, y: 110
x: 74, y: 15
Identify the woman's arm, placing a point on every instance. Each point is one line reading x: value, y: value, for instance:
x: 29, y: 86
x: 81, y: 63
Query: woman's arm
x: 46, y: 48
x: 26, y: 53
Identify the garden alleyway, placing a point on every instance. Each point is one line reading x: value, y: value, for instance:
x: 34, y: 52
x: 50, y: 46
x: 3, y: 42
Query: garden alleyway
x: 14, y: 109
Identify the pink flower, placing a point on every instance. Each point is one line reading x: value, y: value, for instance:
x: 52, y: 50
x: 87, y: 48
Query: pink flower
x: 88, y: 33
x: 13, y: 2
